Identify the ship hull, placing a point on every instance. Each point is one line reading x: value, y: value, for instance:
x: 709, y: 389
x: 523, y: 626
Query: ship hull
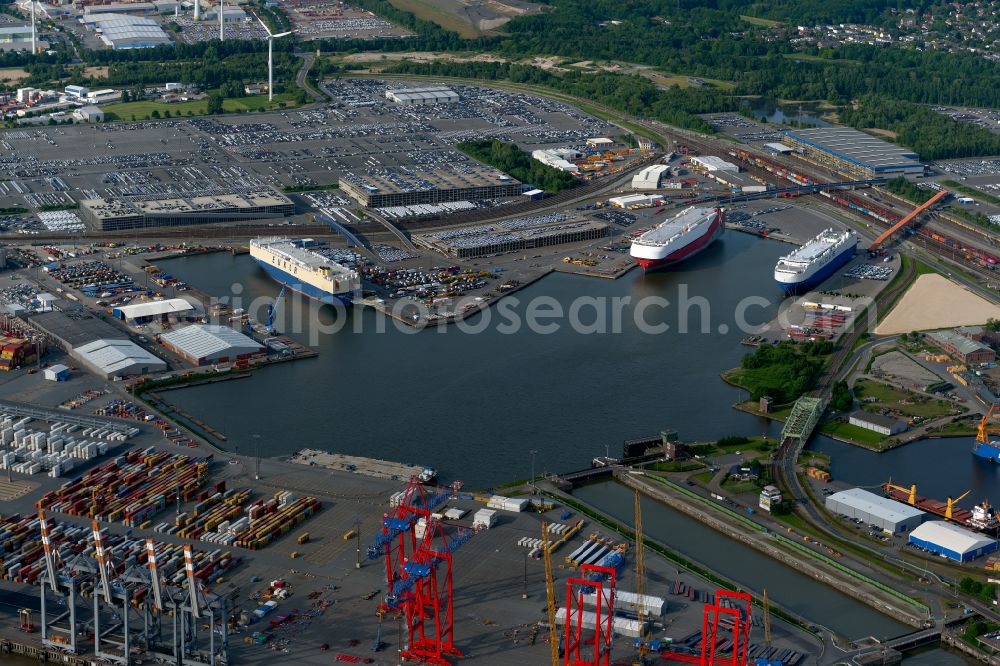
x: 988, y: 451
x: 817, y: 278
x: 683, y: 254
x: 303, y: 288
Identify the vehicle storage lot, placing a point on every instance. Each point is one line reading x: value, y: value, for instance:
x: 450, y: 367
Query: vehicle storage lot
x: 305, y: 147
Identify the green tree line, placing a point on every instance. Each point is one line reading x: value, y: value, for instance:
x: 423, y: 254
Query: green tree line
x: 512, y: 160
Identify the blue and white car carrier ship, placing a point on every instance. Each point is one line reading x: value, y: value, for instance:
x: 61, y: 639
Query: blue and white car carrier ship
x: 295, y: 264
x: 815, y: 261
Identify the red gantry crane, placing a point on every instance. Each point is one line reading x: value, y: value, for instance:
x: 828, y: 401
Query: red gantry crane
x: 597, y: 580
x: 425, y: 594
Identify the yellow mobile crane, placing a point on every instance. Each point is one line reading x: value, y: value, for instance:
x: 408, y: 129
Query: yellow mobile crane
x: 550, y: 596
x: 767, y: 620
x: 640, y: 583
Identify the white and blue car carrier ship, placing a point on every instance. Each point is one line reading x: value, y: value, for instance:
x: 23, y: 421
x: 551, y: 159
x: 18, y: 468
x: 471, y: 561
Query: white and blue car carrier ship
x: 815, y: 261
x: 296, y: 264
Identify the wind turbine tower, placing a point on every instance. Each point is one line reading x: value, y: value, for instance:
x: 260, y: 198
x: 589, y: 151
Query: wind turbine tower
x: 270, y: 56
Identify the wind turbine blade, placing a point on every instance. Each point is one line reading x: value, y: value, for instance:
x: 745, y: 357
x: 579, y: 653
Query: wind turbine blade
x: 283, y: 34
x: 263, y: 25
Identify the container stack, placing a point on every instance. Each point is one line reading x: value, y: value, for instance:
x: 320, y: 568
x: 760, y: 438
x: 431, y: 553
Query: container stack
x: 15, y: 352
x: 22, y: 559
x: 272, y: 519
x: 31, y: 451
x: 131, y: 488
x: 631, y: 602
x: 501, y: 503
x: 484, y: 519
x: 213, y: 516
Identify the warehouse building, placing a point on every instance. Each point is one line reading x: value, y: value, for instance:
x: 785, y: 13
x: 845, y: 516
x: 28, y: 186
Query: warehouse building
x: 202, y: 344
x: 853, y: 152
x: 17, y: 38
x: 951, y: 541
x: 118, y: 358
x: 123, y: 31
x: 636, y: 201
x: 70, y: 325
x: 885, y: 425
x: 558, y: 158
x: 166, y: 210
x: 422, y: 96
x: 89, y: 114
x: 478, y: 241
x: 966, y: 350
x: 651, y: 177
x: 872, y: 509
x: 402, y: 186
x: 170, y: 309
x: 710, y: 163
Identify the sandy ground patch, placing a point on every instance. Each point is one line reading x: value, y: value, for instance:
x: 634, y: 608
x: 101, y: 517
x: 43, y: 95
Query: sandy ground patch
x: 936, y: 302
x: 901, y: 367
x: 96, y: 72
x: 13, y: 74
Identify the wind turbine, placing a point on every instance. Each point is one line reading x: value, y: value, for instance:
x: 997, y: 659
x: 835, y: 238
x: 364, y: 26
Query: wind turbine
x: 34, y: 46
x: 222, y: 11
x: 270, y: 56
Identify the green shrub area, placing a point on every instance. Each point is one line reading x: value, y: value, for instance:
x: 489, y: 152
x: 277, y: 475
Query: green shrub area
x: 512, y: 160
x: 904, y: 188
x: 784, y: 371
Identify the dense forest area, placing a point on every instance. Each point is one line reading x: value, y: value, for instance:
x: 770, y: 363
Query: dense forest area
x: 510, y: 159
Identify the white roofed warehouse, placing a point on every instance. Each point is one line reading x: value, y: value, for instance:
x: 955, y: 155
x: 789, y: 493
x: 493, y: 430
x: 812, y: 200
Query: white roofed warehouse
x: 170, y: 308
x: 853, y: 152
x: 882, y: 512
x: 202, y: 344
x: 951, y: 541
x: 650, y: 177
x: 422, y: 96
x: 117, y: 358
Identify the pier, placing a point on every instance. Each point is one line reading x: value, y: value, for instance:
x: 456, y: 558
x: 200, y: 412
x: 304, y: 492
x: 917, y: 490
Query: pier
x: 380, y: 469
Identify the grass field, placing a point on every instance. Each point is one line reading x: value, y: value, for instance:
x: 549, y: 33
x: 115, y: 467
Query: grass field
x: 737, y: 487
x: 143, y: 110
x: 677, y: 466
x: 805, y: 57
x: 959, y: 429
x: 763, y: 23
x: 899, y: 400
x: 431, y: 11
x: 681, y: 81
x: 853, y: 433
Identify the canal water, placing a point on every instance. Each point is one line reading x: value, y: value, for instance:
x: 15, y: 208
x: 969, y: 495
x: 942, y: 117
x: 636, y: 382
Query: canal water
x: 940, y: 468
x: 774, y: 113
x: 474, y: 405
x: 741, y: 563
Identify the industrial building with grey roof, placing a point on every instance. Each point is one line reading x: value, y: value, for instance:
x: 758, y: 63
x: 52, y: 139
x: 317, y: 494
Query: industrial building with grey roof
x: 403, y: 186
x: 107, y: 214
x: 118, y: 358
x: 872, y: 509
x: 855, y: 153
x: 209, y: 343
